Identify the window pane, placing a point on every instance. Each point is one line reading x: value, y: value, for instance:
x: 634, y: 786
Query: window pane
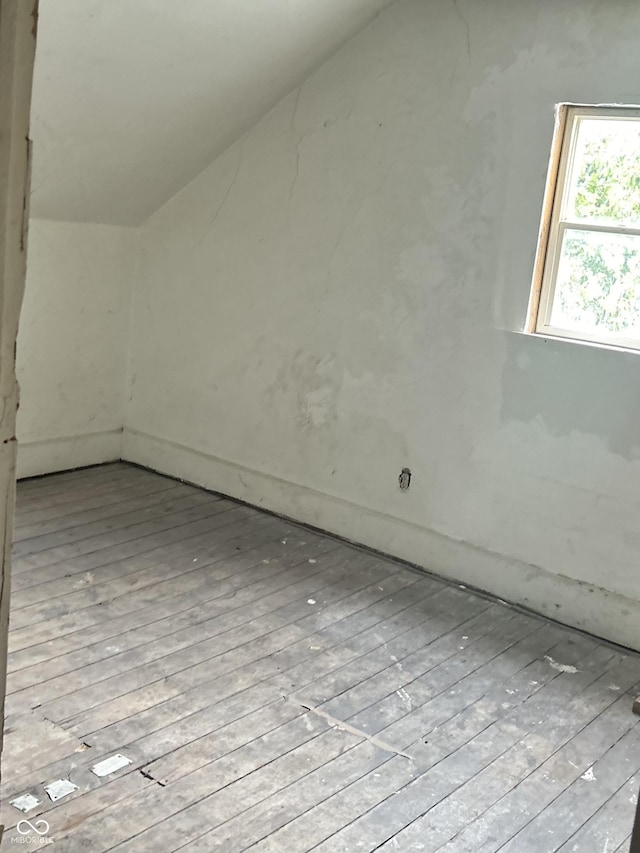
x: 605, y: 179
x: 598, y: 285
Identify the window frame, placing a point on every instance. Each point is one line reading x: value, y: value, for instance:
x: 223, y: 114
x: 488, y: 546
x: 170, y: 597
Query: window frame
x: 553, y: 225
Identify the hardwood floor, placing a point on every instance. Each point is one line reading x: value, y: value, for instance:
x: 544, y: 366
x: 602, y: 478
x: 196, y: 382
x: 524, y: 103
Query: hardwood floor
x: 276, y: 690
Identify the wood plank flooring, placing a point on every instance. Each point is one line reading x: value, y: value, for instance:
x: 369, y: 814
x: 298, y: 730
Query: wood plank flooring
x: 276, y: 690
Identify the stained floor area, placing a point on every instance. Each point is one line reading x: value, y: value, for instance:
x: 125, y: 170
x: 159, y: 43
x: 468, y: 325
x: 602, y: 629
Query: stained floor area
x: 276, y: 690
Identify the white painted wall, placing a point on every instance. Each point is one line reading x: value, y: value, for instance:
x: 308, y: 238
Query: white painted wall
x: 338, y: 296
x: 132, y: 98
x: 72, y: 345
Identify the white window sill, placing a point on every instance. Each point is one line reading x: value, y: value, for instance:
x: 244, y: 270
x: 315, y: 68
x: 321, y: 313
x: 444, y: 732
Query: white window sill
x: 562, y: 339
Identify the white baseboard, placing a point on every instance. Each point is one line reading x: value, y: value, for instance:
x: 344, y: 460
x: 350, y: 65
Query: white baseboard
x: 62, y: 454
x: 598, y: 611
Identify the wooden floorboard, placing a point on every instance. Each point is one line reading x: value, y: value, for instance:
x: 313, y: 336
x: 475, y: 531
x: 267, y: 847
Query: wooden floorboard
x: 53, y: 518
x: 83, y: 523
x: 42, y: 494
x: 277, y: 690
x: 606, y: 830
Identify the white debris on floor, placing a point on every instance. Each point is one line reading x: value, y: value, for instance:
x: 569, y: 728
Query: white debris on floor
x: 59, y: 789
x: 110, y: 765
x: 561, y: 667
x: 25, y: 802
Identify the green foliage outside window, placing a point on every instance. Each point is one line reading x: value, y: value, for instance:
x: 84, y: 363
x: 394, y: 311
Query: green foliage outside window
x: 598, y: 284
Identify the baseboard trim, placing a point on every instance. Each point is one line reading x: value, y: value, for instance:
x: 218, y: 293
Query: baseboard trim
x: 591, y: 609
x: 67, y: 452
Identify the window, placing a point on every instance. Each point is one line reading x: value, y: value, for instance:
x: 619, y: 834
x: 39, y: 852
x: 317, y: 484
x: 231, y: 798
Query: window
x: 587, y: 277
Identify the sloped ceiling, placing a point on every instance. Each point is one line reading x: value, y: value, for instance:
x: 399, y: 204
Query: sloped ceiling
x: 132, y: 98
